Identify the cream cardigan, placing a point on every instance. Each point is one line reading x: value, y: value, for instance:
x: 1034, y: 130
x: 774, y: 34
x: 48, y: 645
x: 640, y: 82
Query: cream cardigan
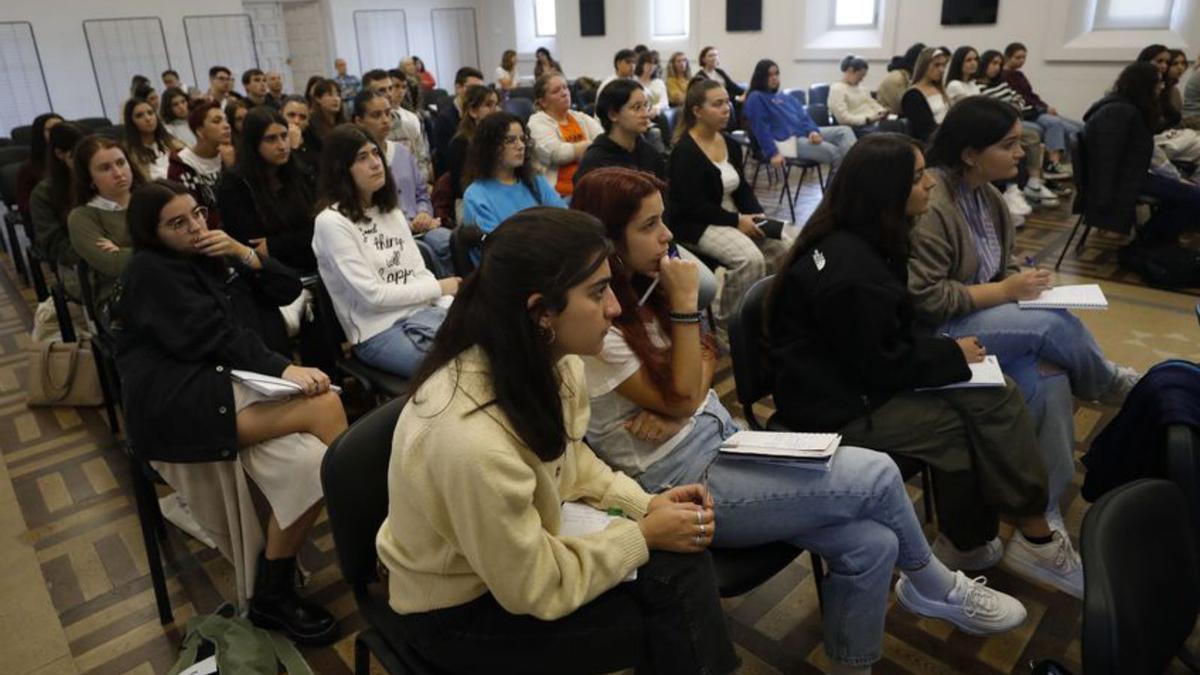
x: 549, y: 149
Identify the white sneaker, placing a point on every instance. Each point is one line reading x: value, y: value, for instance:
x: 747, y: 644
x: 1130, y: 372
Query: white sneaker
x: 1056, y: 563
x: 1015, y: 201
x: 1123, y: 383
x: 1018, y: 221
x: 1055, y: 520
x: 971, y: 606
x: 979, y: 558
x: 1041, y: 194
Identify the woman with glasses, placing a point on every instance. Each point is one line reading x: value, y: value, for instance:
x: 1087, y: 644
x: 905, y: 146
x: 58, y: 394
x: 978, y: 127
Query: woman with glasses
x: 181, y: 338
x: 499, y: 176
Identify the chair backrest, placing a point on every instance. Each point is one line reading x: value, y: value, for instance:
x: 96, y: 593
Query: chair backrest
x: 8, y: 184
x: 1079, y: 158
x: 521, y: 92
x: 672, y: 116
x: 22, y: 135
x: 819, y: 114
x: 13, y: 154
x: 520, y: 107
x: 800, y: 95
x: 465, y: 239
x: 94, y: 123
x: 747, y: 346
x: 1141, y: 578
x: 354, y: 479
x: 5, y: 141
x: 818, y: 93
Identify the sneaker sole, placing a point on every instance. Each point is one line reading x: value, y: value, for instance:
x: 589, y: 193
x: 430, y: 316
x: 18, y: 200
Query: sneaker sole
x: 906, y: 603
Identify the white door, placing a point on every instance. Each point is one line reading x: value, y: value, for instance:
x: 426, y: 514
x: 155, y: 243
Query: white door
x: 455, y: 43
x: 271, y: 40
x: 309, y: 42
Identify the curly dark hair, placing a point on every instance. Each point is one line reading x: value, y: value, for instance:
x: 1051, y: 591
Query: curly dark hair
x: 483, y: 155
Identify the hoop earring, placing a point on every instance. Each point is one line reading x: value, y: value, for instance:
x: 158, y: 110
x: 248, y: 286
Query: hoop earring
x: 547, y: 334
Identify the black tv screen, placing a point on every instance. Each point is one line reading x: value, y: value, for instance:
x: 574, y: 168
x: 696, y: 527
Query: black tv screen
x: 969, y: 12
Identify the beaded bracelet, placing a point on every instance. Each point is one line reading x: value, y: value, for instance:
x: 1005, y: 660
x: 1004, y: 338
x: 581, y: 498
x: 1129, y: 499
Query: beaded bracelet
x: 685, y: 317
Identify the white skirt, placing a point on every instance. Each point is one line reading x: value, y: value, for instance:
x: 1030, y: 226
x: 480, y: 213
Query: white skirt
x: 286, y: 470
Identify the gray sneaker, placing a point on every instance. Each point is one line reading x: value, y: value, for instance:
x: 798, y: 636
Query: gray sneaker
x: 979, y: 558
x: 1056, y: 563
x: 1122, y: 384
x: 971, y: 606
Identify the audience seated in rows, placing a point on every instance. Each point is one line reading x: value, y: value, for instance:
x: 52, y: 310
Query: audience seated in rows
x: 782, y: 127
x: 499, y: 173
x: 559, y: 134
x: 625, y: 114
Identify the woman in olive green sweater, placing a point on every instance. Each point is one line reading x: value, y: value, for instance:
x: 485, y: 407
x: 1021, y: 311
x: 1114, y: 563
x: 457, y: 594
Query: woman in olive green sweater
x: 482, y: 571
x: 104, y: 181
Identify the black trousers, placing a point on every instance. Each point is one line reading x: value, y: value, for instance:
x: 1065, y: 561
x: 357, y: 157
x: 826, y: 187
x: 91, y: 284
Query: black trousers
x: 667, y: 621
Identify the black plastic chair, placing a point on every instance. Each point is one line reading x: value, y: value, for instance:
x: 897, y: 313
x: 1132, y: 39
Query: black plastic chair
x: 800, y: 95
x: 819, y: 114
x: 13, y: 154
x: 94, y: 123
x: 354, y: 480
x: 522, y: 108
x: 104, y: 348
x: 521, y: 92
x: 672, y: 116
x: 818, y: 93
x: 22, y: 135
x: 805, y: 165
x: 12, y: 217
x: 1141, y: 579
x: 753, y: 378
x: 381, y: 384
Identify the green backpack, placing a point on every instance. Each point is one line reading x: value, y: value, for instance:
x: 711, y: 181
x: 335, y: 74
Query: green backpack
x: 239, y: 646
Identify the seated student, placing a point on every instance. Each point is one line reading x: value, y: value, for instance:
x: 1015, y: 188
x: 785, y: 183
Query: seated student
x: 1191, y: 97
x: 655, y: 418
x: 1120, y: 142
x: 267, y: 198
x: 103, y: 180
x: 174, y: 115
x: 1159, y: 56
x: 624, y: 112
x: 479, y: 101
x: 146, y: 93
x: 506, y: 75
x: 782, y: 127
x: 648, y: 74
x: 407, y: 129
x: 679, y: 74
x: 374, y: 113
x: 448, y: 116
x: 486, y: 451
x: 325, y: 111
x: 295, y: 111
x: 964, y: 280
x: 925, y: 103
x: 545, y: 63
x: 710, y: 69
x: 51, y: 199
x: 499, y: 175
x: 147, y: 140
x: 624, y: 66
x: 963, y: 79
x: 560, y: 135
x: 847, y: 357
x: 179, y: 341
x: 710, y: 205
x: 1172, y: 95
x: 896, y: 82
x: 254, y: 81
x: 235, y: 111
x: 850, y: 105
x: 33, y: 170
x: 199, y: 166
x: 382, y: 293
x: 1056, y: 130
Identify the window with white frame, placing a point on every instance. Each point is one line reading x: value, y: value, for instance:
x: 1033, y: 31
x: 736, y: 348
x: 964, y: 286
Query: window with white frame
x: 670, y: 18
x: 545, y: 23
x: 1133, y: 14
x: 23, y: 93
x: 120, y: 49
x: 854, y: 13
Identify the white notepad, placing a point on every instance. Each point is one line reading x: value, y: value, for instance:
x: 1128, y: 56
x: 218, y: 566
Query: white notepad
x: 1081, y: 296
x: 986, y: 373
x: 269, y: 385
x: 783, y: 445
x: 579, y: 520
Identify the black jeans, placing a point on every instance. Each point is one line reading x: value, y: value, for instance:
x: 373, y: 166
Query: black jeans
x: 667, y: 621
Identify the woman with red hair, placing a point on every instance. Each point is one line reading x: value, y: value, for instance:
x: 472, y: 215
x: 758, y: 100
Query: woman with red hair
x: 655, y: 417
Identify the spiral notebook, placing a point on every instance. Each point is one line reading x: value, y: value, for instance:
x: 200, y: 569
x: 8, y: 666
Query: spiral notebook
x: 1081, y: 296
x: 783, y: 445
x: 986, y: 373
x: 269, y: 385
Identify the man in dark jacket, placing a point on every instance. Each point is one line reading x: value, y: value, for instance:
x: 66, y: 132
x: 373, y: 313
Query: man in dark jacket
x: 449, y: 114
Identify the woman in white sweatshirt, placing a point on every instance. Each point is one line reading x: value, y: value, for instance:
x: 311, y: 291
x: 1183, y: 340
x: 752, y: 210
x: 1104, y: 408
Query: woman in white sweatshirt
x: 383, y: 295
x: 853, y: 106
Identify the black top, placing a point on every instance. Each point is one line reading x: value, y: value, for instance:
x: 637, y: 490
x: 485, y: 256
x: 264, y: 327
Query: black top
x: 694, y: 191
x: 842, y: 337
x: 605, y: 152
x: 921, y: 122
x: 181, y: 333
x: 289, y: 230
x: 456, y: 159
x: 445, y: 127
x: 732, y: 88
x: 1118, y: 146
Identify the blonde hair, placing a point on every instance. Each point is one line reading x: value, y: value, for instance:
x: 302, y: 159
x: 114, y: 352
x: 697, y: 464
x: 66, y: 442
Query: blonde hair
x: 687, y: 72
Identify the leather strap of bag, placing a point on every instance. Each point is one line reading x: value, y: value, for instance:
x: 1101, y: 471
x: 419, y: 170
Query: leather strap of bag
x: 54, y: 390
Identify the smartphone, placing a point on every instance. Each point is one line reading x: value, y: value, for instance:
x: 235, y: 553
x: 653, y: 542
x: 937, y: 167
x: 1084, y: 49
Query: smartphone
x: 771, y: 227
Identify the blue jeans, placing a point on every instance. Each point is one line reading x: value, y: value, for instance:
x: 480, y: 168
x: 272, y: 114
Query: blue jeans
x: 1020, y: 338
x: 857, y: 516
x: 1057, y: 130
x: 835, y: 143
x: 401, y: 348
x: 1178, y: 209
x: 437, y: 241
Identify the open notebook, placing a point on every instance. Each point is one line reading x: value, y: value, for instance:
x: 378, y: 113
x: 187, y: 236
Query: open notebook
x: 269, y: 385
x: 1080, y: 296
x: 580, y: 520
x: 986, y: 373
x: 783, y: 445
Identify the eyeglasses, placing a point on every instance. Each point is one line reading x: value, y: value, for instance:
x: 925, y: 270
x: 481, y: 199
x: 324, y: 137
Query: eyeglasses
x: 512, y: 139
x: 198, y: 215
x: 639, y: 107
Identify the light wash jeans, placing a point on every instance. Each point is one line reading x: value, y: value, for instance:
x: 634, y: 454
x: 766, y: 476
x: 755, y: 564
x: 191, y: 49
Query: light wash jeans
x: 857, y: 516
x: 835, y: 143
x: 1020, y: 338
x: 437, y: 241
x: 400, y: 349
x: 1057, y: 130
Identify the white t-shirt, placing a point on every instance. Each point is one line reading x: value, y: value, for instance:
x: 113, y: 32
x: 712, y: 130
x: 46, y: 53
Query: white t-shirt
x: 957, y: 90
x: 729, y: 184
x: 207, y: 167
x: 512, y: 75
x: 607, y: 435
x: 937, y: 105
x: 158, y: 168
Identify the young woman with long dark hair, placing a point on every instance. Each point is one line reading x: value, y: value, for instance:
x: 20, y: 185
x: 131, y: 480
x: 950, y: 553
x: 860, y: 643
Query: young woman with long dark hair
x: 479, y: 101
x: 33, y: 170
x: 174, y: 115
x: 51, y: 199
x: 1160, y: 57
x: 545, y: 63
x: 326, y: 111
x: 656, y: 418
x: 147, y: 140
x: 848, y: 357
x: 925, y: 103
x: 486, y: 451
x: 499, y: 176
x: 179, y: 341
x: 385, y: 298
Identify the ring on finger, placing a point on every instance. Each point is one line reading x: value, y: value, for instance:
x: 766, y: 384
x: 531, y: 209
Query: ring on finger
x: 699, y: 540
x: 701, y: 529
x: 699, y: 519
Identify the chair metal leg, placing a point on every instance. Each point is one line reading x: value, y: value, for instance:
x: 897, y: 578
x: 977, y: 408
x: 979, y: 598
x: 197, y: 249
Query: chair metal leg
x: 818, y: 570
x: 144, y: 492
x: 14, y: 249
x: 104, y: 375
x: 1067, y: 245
x: 63, y: 312
x: 927, y: 493
x: 757, y: 168
x: 820, y: 178
x: 1087, y: 229
x: 362, y: 657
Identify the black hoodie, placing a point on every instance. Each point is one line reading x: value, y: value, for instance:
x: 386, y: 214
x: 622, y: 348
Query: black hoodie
x: 1118, y: 146
x: 605, y: 152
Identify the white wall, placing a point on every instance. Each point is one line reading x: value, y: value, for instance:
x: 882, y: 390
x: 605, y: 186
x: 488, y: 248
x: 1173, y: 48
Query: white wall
x: 58, y: 28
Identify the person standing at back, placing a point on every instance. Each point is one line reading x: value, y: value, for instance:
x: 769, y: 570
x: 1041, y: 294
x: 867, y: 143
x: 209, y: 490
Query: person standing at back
x: 347, y: 83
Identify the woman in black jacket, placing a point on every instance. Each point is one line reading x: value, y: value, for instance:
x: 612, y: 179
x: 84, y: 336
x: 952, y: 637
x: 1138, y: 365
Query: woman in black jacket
x: 711, y: 207
x: 179, y: 343
x: 1119, y: 143
x: 846, y: 358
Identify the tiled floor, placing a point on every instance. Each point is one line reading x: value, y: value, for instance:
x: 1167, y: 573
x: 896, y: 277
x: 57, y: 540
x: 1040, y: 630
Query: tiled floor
x: 75, y: 595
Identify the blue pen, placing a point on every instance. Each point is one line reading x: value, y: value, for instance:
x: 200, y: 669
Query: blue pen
x: 1030, y: 261
x: 672, y: 252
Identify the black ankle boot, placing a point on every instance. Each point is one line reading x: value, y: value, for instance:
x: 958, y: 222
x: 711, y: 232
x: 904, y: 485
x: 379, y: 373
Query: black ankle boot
x: 277, y: 606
